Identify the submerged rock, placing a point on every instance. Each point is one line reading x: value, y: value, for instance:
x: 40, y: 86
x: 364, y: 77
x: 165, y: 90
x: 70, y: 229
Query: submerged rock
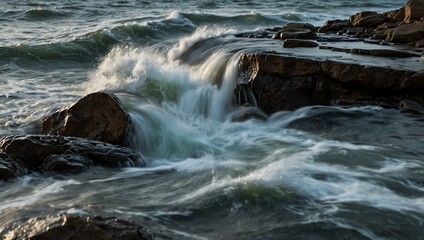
x: 66, y: 227
x: 98, y: 116
x: 24, y: 154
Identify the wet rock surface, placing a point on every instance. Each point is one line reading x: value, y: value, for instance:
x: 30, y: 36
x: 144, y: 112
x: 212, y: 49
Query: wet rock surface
x: 66, y: 227
x: 98, y: 116
x: 38, y: 153
x: 370, y: 58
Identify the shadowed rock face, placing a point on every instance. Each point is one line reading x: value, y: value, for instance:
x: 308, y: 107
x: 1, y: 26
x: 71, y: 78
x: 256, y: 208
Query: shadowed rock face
x: 66, y: 227
x: 98, y: 116
x: 24, y: 154
x: 284, y: 82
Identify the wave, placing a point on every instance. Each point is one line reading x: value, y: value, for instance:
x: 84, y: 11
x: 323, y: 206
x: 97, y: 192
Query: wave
x: 44, y: 14
x: 97, y: 43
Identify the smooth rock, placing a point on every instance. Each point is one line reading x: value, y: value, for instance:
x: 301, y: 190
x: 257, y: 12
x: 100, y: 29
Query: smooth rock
x: 294, y: 43
x: 64, y: 154
x: 414, y: 10
x: 384, y: 53
x: 300, y: 26
x: 296, y: 33
x: 98, y: 116
x: 406, y: 33
x: 368, y: 19
x: 334, y: 26
x: 67, y: 227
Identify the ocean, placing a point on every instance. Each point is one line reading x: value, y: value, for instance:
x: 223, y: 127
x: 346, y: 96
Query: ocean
x: 319, y: 172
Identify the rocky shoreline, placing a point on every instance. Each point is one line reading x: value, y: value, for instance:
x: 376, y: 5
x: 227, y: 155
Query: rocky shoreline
x: 370, y: 58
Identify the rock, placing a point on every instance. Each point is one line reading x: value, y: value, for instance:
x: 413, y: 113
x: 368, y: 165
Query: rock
x: 406, y: 33
x: 294, y: 43
x: 334, y: 26
x: 66, y: 227
x: 397, y: 15
x: 368, y: 19
x: 287, y: 82
x: 384, y: 53
x: 98, y: 116
x: 355, y: 30
x: 300, y: 26
x: 10, y: 168
x: 63, y: 154
x: 295, y: 33
x: 409, y: 105
x: 414, y: 10
x: 382, y: 30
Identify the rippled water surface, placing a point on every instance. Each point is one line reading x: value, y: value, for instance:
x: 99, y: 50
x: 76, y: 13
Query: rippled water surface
x: 320, y: 172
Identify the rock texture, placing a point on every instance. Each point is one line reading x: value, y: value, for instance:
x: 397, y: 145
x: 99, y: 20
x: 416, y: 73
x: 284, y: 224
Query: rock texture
x: 284, y: 82
x: 66, y: 227
x: 25, y: 154
x: 414, y: 10
x: 98, y: 116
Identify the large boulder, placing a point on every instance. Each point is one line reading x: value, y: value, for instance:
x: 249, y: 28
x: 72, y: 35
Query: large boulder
x: 333, y: 26
x: 98, y: 116
x: 22, y: 154
x: 67, y: 227
x: 286, y: 82
x: 300, y: 26
x: 414, y: 10
x: 368, y: 19
x: 406, y: 33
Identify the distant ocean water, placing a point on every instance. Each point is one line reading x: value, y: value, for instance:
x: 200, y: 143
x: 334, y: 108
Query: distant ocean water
x: 320, y: 172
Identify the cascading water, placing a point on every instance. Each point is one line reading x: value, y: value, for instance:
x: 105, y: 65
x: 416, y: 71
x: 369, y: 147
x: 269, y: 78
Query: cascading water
x: 320, y: 172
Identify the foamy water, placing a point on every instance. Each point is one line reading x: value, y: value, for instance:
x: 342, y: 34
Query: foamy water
x: 320, y: 172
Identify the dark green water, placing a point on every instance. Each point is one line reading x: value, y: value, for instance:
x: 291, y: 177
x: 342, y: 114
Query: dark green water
x: 315, y: 173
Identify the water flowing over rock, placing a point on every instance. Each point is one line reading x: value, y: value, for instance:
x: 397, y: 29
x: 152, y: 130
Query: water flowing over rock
x: 98, y: 116
x: 66, y: 227
x: 25, y: 154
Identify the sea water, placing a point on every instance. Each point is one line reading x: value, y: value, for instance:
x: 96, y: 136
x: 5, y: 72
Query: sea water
x: 320, y: 172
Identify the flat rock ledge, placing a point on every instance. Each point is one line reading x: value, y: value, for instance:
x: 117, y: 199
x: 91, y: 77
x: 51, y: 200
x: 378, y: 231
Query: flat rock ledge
x: 369, y: 59
x: 284, y: 82
x: 67, y: 227
x: 25, y: 154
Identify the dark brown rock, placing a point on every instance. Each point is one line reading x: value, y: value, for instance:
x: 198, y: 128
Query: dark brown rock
x: 414, y: 10
x: 285, y: 82
x: 300, y: 26
x: 406, y: 33
x: 295, y: 33
x: 64, y: 154
x: 10, y: 168
x: 333, y: 26
x: 294, y: 43
x: 66, y: 227
x: 397, y: 15
x: 98, y: 116
x: 368, y: 19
